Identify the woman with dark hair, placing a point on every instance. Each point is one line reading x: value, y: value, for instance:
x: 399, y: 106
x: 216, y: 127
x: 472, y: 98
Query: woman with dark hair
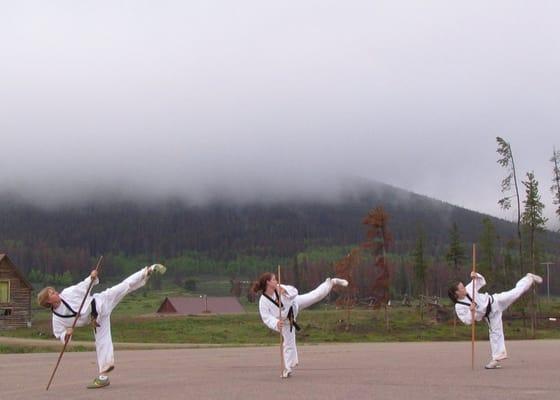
x: 290, y: 303
x: 490, y: 308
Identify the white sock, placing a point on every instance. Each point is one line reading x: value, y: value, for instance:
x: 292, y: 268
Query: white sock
x: 535, y: 278
x: 339, y: 281
x: 160, y: 269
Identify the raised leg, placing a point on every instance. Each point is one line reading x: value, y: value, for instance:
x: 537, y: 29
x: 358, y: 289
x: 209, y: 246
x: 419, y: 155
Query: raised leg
x: 111, y: 297
x: 505, y: 299
x: 316, y: 295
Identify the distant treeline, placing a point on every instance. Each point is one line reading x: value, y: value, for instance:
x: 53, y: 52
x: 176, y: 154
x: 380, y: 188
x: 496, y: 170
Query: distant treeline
x: 233, y: 240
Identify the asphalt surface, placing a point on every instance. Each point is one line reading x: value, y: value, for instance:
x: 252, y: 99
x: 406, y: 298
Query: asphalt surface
x: 415, y: 371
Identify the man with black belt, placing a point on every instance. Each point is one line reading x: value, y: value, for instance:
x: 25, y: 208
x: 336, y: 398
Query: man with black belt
x: 490, y: 308
x: 96, y: 310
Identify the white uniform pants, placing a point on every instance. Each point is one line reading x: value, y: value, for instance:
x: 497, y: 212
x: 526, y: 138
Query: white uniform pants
x: 501, y: 302
x: 303, y: 301
x: 105, y: 302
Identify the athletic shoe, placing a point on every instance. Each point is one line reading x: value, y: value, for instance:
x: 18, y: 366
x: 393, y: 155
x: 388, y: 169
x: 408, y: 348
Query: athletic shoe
x: 501, y: 356
x: 536, y: 278
x: 493, y: 365
x: 340, y: 282
x: 156, y: 268
x: 99, y: 382
x: 286, y: 374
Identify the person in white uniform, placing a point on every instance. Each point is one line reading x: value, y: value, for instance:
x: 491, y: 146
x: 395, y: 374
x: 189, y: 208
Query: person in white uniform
x: 96, y: 311
x: 490, y: 308
x: 291, y: 303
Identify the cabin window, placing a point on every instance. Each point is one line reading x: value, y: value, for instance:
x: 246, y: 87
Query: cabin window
x: 4, y: 312
x: 4, y: 291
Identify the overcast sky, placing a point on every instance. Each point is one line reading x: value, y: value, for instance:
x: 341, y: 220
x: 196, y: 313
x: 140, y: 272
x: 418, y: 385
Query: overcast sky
x: 263, y: 99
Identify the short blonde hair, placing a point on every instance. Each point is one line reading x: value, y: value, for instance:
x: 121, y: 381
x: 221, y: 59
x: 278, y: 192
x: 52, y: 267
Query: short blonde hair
x: 43, y: 297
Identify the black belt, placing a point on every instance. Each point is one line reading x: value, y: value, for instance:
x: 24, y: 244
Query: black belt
x: 291, y: 318
x: 93, y: 316
x: 94, y: 312
x: 293, y: 323
x: 488, y: 306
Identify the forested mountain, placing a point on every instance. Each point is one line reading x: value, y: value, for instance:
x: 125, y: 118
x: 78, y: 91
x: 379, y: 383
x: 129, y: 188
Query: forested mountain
x: 56, y: 240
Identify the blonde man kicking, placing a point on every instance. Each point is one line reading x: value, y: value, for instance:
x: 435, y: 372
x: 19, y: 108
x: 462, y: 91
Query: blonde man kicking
x: 489, y: 307
x: 96, y: 310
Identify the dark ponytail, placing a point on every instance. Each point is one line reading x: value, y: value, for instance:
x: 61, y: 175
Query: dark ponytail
x: 452, y: 291
x: 260, y: 284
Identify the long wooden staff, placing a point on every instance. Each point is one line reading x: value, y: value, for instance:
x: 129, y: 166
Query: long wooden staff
x: 473, y: 312
x: 67, y: 338
x: 282, y: 363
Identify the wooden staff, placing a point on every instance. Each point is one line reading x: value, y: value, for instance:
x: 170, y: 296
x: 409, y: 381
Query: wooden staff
x: 473, y: 312
x: 280, y: 319
x: 67, y: 337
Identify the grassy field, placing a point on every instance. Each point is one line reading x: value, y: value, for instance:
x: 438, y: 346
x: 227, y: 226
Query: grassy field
x: 135, y: 320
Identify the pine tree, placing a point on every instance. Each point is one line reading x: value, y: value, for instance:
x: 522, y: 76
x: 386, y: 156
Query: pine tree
x: 534, y: 222
x: 555, y: 188
x: 420, y: 264
x: 507, y: 161
x: 456, y: 253
x: 533, y: 218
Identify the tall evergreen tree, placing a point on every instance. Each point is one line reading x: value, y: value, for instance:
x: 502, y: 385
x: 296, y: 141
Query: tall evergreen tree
x: 555, y: 188
x: 507, y: 161
x: 420, y: 265
x: 533, y: 222
x: 401, y: 280
x: 533, y: 218
x: 456, y: 253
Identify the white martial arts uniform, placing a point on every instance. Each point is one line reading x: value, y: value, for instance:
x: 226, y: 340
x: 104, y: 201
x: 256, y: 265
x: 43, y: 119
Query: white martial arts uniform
x: 105, y: 302
x: 499, y: 302
x: 290, y: 298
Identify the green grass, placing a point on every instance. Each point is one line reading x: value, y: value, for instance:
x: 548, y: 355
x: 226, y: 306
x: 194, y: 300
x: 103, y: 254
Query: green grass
x: 134, y: 321
x: 16, y: 348
x: 321, y: 325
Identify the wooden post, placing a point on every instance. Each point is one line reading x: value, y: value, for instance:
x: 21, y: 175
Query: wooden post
x: 67, y: 338
x: 473, y: 313
x: 282, y: 363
